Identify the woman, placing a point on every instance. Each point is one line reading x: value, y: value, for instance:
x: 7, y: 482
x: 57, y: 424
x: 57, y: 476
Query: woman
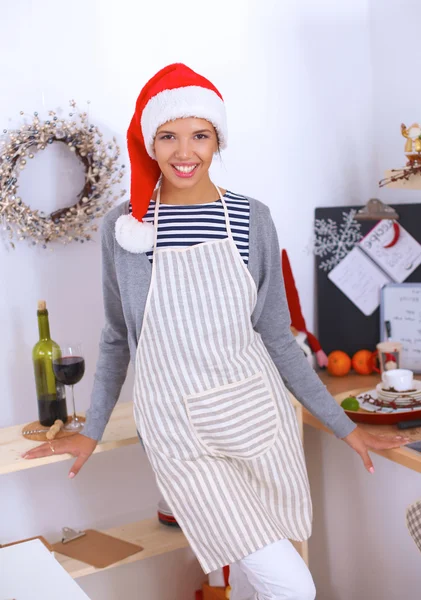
x: 193, y: 293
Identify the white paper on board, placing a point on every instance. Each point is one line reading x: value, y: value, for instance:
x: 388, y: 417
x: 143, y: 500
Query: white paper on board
x: 360, y: 280
x: 398, y: 261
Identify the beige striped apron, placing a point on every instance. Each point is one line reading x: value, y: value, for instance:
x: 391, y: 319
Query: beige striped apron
x: 213, y: 412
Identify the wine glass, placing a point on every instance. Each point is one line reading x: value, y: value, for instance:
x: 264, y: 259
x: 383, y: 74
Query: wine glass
x: 69, y: 368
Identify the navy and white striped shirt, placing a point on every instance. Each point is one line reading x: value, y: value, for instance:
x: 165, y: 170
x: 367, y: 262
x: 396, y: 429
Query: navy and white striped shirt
x: 188, y: 224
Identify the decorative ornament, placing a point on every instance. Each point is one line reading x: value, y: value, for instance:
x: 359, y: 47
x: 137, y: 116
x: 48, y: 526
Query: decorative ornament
x: 335, y: 241
x: 413, y: 143
x: 412, y: 153
x: 306, y: 340
x: 99, y: 160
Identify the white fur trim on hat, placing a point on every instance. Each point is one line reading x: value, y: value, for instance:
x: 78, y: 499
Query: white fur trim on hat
x: 181, y: 103
x: 133, y: 235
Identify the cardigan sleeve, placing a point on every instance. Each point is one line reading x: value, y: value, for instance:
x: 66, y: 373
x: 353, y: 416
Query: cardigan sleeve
x: 273, y: 324
x: 114, y: 355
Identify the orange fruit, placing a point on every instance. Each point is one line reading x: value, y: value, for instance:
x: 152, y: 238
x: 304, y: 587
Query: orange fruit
x: 338, y: 363
x: 362, y: 362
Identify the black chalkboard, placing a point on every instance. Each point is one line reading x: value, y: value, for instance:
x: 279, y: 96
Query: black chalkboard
x: 340, y: 324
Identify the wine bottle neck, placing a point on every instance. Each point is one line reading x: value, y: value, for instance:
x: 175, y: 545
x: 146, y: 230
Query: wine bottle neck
x: 43, y: 325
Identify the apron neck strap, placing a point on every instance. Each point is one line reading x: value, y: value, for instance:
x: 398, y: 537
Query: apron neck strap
x: 224, y: 205
x: 227, y: 217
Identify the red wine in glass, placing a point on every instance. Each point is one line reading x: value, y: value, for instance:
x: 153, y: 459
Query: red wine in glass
x: 69, y: 368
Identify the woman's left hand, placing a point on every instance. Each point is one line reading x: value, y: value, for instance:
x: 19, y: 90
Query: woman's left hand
x: 361, y: 441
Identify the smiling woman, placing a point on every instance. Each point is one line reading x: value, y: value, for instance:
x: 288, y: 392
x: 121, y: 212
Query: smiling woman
x: 207, y: 329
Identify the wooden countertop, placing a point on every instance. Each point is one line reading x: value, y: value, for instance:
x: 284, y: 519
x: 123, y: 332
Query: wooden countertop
x: 121, y: 431
x: 337, y: 386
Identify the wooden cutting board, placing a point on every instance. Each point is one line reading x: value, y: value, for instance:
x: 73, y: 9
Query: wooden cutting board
x: 41, y: 437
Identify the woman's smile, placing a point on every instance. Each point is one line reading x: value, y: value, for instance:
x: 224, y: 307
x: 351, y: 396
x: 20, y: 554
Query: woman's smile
x: 185, y: 169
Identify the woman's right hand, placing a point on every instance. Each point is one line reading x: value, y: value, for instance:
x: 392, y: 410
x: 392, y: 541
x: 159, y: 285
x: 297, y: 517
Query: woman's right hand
x: 78, y: 445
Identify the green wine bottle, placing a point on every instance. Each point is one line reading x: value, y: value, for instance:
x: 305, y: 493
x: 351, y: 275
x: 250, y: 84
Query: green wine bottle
x: 51, y: 393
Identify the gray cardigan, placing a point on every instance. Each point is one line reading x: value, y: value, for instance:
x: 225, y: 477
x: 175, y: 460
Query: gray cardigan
x: 126, y: 279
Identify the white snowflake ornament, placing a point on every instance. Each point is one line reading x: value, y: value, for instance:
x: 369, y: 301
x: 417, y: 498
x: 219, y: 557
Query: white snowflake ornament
x: 335, y: 241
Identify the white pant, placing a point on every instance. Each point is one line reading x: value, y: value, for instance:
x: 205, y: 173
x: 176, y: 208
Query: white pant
x: 275, y: 572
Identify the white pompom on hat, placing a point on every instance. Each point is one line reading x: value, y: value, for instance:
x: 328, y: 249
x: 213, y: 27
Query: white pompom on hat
x: 175, y: 92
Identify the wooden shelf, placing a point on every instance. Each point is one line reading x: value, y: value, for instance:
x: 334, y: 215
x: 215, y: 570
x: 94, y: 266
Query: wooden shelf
x: 120, y: 431
x: 155, y: 538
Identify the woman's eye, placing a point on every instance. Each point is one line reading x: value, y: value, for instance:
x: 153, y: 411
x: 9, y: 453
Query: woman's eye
x: 201, y: 136
x: 166, y: 137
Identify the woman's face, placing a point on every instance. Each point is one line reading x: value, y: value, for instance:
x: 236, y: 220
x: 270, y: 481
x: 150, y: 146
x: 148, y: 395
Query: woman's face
x: 184, y: 149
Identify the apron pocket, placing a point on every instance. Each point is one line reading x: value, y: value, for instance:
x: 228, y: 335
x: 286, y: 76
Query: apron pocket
x: 238, y: 420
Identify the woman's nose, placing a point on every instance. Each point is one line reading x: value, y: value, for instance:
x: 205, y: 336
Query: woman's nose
x: 183, y: 150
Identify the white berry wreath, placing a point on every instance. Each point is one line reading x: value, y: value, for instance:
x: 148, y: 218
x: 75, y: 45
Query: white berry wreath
x: 102, y: 173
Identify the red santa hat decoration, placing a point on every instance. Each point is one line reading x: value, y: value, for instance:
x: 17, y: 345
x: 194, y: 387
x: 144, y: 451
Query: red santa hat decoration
x: 175, y: 92
x: 294, y: 305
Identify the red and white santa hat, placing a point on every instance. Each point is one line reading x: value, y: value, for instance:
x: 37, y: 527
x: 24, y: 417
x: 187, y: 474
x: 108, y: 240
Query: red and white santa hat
x: 174, y: 92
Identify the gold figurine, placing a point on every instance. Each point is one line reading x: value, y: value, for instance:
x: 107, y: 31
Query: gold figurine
x: 413, y: 143
x: 408, y: 143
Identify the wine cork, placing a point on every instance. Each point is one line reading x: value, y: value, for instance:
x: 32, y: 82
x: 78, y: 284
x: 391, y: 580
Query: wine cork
x: 54, y: 429
x: 42, y: 305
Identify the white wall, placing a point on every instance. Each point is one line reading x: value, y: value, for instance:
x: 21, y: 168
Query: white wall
x: 297, y: 81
